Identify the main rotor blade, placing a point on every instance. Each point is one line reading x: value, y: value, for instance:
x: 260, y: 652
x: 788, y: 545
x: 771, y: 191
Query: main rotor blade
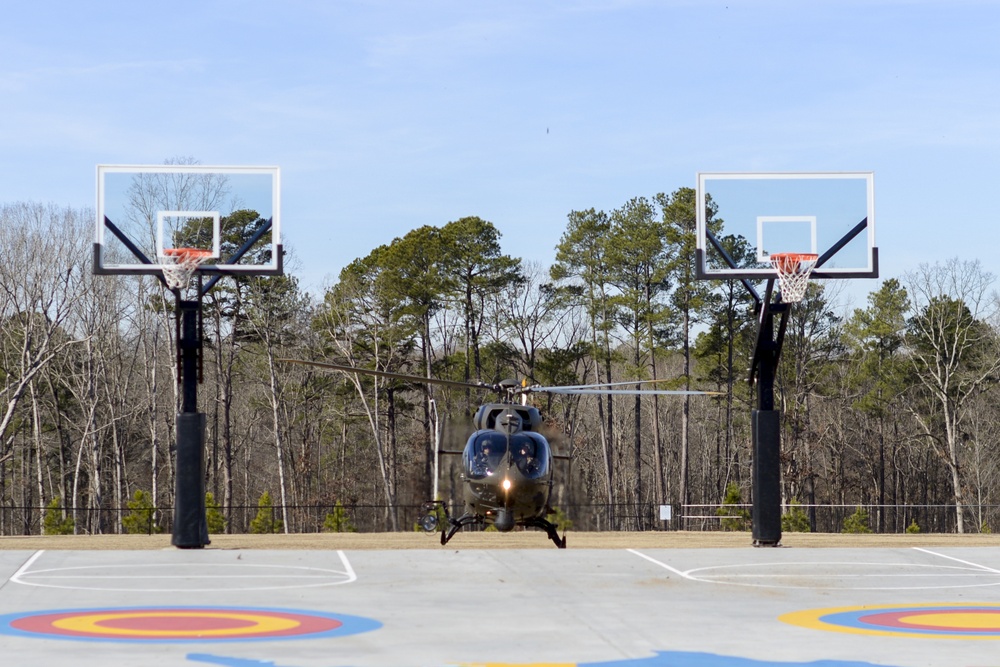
x: 387, y: 374
x: 600, y: 384
x: 622, y: 392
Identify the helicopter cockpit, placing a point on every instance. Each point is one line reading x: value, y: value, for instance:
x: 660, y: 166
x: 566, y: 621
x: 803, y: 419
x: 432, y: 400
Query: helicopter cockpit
x: 486, y: 451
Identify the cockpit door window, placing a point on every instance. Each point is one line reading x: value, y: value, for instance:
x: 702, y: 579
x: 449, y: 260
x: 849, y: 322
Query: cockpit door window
x: 531, y: 455
x: 484, y: 454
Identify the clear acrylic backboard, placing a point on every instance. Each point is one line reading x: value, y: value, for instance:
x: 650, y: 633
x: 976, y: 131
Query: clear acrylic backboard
x: 230, y: 211
x: 744, y: 218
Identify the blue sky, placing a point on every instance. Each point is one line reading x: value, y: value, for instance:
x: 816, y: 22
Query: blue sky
x: 385, y: 116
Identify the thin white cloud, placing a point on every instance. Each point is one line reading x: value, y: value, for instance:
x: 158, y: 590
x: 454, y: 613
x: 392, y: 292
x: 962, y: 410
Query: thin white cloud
x: 31, y: 79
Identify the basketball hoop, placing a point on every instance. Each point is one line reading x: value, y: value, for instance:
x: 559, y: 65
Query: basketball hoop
x: 179, y: 264
x: 793, y: 269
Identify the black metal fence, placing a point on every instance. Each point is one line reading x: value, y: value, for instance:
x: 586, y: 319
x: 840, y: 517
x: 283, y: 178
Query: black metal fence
x: 19, y: 520
x: 849, y: 518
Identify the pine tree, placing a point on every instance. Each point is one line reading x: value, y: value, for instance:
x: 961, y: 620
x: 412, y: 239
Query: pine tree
x: 265, y: 521
x: 141, y: 515
x: 54, y: 523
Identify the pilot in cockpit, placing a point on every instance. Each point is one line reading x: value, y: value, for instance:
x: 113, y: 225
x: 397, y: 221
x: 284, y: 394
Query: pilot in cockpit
x: 526, y: 460
x: 481, y: 463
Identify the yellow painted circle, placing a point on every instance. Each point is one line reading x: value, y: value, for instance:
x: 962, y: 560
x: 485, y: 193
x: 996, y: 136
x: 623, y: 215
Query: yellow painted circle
x: 90, y: 624
x: 956, y: 621
x: 966, y: 621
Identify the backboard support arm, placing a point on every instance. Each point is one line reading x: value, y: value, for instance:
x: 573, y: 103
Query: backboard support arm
x: 127, y: 242
x: 238, y: 255
x: 847, y: 238
x: 729, y: 260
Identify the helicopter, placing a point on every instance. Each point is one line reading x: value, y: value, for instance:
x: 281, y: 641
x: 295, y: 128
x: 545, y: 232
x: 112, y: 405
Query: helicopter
x: 507, y: 464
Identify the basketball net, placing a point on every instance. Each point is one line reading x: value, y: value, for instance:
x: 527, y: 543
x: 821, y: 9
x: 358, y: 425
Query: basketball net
x: 793, y: 269
x: 179, y: 264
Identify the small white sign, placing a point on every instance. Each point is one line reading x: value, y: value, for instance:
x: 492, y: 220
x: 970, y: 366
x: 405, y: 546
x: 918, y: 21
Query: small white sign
x: 665, y: 511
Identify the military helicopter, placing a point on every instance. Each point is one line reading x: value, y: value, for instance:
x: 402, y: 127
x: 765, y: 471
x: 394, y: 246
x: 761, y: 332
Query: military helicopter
x: 507, y: 465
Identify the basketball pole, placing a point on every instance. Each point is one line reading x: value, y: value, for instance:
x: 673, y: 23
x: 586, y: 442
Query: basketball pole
x: 190, y: 529
x: 766, y: 424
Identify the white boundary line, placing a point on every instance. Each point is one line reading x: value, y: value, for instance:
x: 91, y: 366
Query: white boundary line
x: 24, y: 573
x: 663, y: 565
x: 959, y: 560
x: 16, y: 577
x: 351, y: 575
x: 704, y: 578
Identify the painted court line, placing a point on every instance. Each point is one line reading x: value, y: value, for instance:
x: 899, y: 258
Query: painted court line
x: 959, y: 560
x: 351, y: 575
x: 949, y: 575
x: 15, y: 578
x: 27, y: 564
x: 309, y: 577
x: 663, y: 565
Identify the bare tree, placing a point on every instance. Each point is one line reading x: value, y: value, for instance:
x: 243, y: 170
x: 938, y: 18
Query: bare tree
x: 40, y: 281
x: 43, y: 251
x: 272, y: 305
x: 956, y: 355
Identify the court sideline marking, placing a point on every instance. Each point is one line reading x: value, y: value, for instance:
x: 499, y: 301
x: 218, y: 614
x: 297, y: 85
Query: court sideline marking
x: 25, y: 573
x: 687, y: 574
x: 24, y: 567
x: 959, y: 560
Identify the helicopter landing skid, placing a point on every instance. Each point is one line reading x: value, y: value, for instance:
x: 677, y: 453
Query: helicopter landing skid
x: 456, y: 525
x: 435, y: 510
x: 436, y: 513
x: 467, y: 519
x: 549, y: 529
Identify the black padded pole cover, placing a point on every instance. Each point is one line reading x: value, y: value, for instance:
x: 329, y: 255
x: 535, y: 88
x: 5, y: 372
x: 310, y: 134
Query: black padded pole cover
x: 766, y: 427
x: 190, y: 525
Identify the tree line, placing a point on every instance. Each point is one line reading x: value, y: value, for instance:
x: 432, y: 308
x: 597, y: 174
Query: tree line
x: 886, y: 405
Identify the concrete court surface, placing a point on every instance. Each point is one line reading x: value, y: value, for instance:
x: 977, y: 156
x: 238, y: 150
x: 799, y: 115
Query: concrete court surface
x: 441, y: 607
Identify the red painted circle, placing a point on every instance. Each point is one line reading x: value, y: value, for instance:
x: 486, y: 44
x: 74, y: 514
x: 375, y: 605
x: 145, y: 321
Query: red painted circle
x: 175, y: 623
x: 158, y: 624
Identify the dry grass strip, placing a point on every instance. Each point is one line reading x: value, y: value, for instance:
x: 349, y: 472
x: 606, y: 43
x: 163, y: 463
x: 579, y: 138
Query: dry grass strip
x: 492, y: 540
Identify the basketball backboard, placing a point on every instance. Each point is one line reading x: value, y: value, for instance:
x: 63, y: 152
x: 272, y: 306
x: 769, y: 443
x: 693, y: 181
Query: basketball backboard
x: 231, y: 212
x: 744, y: 218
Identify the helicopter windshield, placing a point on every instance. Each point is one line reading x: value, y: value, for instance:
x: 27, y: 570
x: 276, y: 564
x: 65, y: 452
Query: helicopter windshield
x: 484, y: 453
x: 531, y: 454
x: 486, y: 450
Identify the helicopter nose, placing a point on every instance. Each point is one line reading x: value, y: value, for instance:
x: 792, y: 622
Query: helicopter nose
x: 504, y: 521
